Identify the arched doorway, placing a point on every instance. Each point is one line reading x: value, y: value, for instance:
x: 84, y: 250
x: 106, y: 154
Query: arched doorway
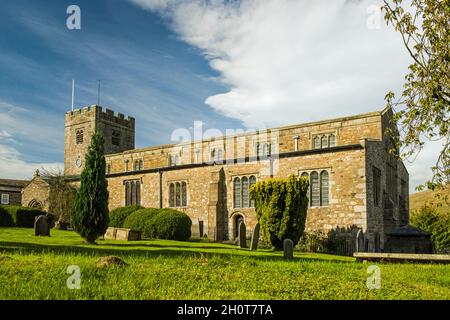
x: 237, y: 219
x: 35, y: 204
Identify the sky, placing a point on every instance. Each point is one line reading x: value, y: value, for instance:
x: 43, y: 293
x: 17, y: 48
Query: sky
x: 231, y: 64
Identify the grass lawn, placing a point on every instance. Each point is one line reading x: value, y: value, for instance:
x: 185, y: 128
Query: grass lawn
x: 35, y: 268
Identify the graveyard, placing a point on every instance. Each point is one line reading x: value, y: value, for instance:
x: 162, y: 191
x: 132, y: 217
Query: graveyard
x: 34, y: 267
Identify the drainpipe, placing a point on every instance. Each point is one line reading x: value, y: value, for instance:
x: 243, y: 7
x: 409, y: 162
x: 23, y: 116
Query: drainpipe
x: 160, y: 189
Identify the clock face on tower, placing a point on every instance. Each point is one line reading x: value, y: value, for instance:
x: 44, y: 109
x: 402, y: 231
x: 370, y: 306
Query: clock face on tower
x: 78, y: 163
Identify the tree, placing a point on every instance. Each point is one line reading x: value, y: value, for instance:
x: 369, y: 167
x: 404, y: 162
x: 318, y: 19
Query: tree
x: 423, y: 110
x: 90, y: 216
x: 281, y: 206
x: 61, y: 196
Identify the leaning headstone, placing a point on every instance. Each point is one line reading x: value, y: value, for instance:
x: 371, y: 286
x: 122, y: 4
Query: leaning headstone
x: 359, y: 241
x: 242, y: 235
x: 255, y: 238
x: 288, y: 248
x: 41, y: 226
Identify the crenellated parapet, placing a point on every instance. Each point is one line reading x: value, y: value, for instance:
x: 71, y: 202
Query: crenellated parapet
x: 102, y: 115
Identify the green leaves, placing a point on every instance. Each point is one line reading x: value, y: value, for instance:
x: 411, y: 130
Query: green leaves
x: 90, y: 212
x: 423, y: 110
x: 281, y: 206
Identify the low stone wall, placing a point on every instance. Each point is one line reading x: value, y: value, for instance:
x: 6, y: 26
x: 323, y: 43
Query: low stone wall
x: 402, y: 257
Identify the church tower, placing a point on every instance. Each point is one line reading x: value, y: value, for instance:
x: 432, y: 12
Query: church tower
x: 118, y: 131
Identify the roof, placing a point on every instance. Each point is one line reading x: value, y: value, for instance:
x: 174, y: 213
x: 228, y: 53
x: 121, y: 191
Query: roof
x: 408, y: 231
x: 14, y: 183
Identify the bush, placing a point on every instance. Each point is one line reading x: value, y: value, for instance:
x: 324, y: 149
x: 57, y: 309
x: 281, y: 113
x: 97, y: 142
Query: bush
x: 5, y: 218
x: 315, y: 241
x: 429, y: 219
x: 22, y: 217
x: 160, y: 224
x: 117, y: 216
x: 281, y: 206
x: 169, y: 224
x: 138, y: 220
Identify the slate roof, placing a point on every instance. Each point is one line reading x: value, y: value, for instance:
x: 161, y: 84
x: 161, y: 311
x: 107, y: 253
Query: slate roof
x: 13, y: 183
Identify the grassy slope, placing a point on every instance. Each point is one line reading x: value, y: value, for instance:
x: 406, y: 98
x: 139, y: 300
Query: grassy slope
x: 197, y: 270
x: 417, y: 200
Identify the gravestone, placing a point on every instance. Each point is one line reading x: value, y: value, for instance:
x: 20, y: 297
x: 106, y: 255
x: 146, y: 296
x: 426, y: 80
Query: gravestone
x: 360, y: 241
x: 255, y: 238
x: 41, y: 226
x: 288, y: 248
x: 242, y: 235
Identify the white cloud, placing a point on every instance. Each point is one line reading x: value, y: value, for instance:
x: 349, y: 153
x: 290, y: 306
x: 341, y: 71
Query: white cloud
x: 294, y: 61
x: 13, y: 167
x: 290, y: 61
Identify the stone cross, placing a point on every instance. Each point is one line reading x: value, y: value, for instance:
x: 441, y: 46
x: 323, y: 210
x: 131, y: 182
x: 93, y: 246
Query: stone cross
x: 242, y: 235
x: 41, y: 226
x: 288, y: 248
x: 255, y: 238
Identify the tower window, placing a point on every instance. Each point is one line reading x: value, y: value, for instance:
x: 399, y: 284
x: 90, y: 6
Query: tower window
x: 115, y: 138
x: 79, y: 136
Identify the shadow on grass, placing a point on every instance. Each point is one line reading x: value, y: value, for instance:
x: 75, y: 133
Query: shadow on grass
x: 156, y: 251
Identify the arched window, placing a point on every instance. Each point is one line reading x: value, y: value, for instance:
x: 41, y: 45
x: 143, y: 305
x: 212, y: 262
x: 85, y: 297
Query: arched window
x: 183, y: 194
x: 324, y: 188
x: 252, y: 181
x: 324, y: 141
x: 305, y: 175
x: 332, y: 140
x: 178, y: 194
x: 316, y: 142
x: 138, y: 165
x: 245, y: 203
x: 237, y: 192
x: 172, y: 195
x: 132, y: 192
x: 108, y: 168
x: 315, y: 189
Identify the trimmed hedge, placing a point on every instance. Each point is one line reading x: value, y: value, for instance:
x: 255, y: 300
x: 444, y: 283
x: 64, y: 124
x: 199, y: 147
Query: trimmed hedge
x: 117, y: 216
x: 166, y: 224
x: 138, y: 220
x: 22, y: 217
x: 5, y: 218
x: 170, y: 224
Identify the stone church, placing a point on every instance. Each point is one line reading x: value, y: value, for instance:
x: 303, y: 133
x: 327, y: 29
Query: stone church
x: 354, y: 181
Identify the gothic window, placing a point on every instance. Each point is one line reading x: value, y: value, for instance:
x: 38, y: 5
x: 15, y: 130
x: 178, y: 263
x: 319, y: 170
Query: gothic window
x: 115, y: 138
x: 108, y: 168
x: 217, y: 155
x: 245, y: 203
x: 237, y: 192
x: 79, y: 136
x: 174, y: 160
x: 172, y: 195
x: 319, y: 188
x: 263, y: 149
x: 332, y: 140
x: 178, y: 194
x: 376, y: 186
x: 315, y: 189
x: 252, y: 181
x: 316, y: 142
x: 126, y: 165
x: 324, y: 188
x: 241, y: 192
x: 138, y: 165
x: 324, y: 141
x: 132, y: 192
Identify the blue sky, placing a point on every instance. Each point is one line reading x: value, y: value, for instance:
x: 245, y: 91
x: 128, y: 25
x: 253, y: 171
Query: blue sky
x: 230, y: 64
